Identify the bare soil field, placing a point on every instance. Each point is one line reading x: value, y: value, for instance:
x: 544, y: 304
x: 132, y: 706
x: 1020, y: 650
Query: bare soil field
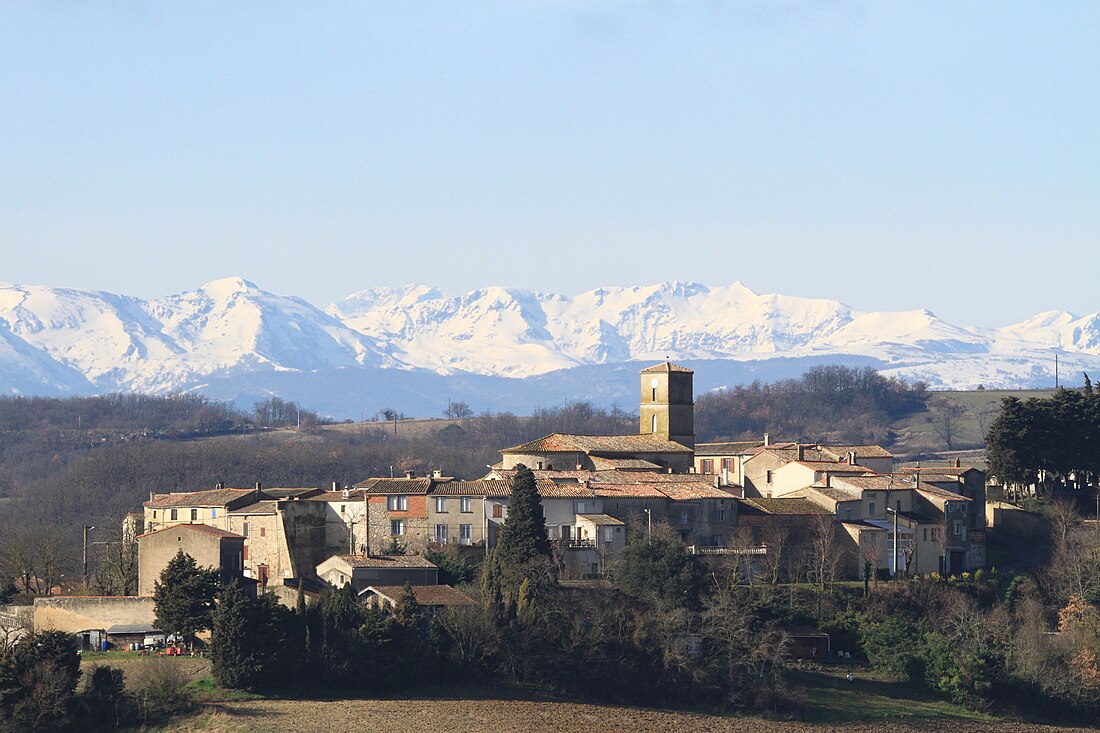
x: 521, y: 716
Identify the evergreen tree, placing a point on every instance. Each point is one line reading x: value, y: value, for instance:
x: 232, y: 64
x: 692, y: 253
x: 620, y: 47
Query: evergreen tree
x: 184, y: 597
x: 523, y: 536
x: 659, y: 568
x: 523, y: 551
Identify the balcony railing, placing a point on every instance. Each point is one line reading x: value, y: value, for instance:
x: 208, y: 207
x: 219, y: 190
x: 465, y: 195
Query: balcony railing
x: 754, y: 550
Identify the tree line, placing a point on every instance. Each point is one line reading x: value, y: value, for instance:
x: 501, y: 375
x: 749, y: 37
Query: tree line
x: 1053, y: 443
x: 826, y: 404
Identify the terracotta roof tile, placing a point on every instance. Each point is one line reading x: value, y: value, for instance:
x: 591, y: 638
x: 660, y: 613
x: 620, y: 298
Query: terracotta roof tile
x: 785, y: 506
x: 603, y: 520
x: 387, y: 561
x: 376, y: 486
x: 200, y: 528
x: 426, y: 595
x: 602, y: 444
x: 665, y: 368
x: 734, y: 448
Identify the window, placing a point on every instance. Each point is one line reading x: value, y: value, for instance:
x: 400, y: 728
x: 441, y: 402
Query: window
x: 683, y: 517
x: 213, y: 513
x: 154, y: 514
x: 343, y: 508
x: 725, y: 464
x: 653, y: 424
x: 580, y: 507
x: 498, y: 511
x: 768, y: 477
x: 721, y: 515
x: 244, y: 552
x: 926, y: 534
x: 174, y: 515
x: 397, y: 527
x: 465, y: 505
x: 465, y: 534
x: 716, y: 540
x: 958, y: 527
x: 397, y: 503
x: 871, y: 509
x: 244, y: 529
x: 263, y: 531
x: 194, y: 515
x: 441, y: 505
x: 441, y: 534
x: 608, y: 534
x: 708, y: 465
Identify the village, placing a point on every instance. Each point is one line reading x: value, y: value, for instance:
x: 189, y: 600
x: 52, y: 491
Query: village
x: 768, y: 507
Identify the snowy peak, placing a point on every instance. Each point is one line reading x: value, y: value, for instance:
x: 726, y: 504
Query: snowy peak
x: 63, y: 341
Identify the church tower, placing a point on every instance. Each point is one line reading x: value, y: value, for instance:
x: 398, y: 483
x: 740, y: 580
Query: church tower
x: 667, y: 407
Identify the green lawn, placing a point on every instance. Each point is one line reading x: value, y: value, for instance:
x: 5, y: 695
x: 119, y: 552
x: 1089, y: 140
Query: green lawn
x: 830, y: 698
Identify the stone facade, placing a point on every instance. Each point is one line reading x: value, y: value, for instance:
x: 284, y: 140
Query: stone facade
x: 210, y: 547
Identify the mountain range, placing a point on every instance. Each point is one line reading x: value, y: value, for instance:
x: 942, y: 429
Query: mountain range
x: 415, y: 348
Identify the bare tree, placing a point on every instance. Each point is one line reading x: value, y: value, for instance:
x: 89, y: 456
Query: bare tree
x: 824, y: 550
x: 946, y: 419
x: 116, y: 569
x: 776, y: 538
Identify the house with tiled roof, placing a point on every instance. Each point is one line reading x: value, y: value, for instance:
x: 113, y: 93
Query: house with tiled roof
x: 284, y: 531
x: 430, y: 598
x: 211, y: 547
x: 361, y: 571
x: 665, y: 439
x: 757, y: 471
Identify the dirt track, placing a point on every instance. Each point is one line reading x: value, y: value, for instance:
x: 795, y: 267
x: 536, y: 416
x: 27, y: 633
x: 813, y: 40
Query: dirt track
x: 491, y: 716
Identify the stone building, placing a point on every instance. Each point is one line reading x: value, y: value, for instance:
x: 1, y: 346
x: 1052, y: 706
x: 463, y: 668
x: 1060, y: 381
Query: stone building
x: 397, y: 512
x: 209, y: 546
x: 364, y: 570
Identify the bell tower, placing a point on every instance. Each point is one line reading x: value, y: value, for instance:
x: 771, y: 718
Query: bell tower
x: 667, y: 407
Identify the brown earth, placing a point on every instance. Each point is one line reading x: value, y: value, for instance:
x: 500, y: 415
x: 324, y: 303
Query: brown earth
x: 519, y: 716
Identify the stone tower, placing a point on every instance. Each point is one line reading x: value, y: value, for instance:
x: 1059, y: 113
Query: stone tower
x: 667, y: 408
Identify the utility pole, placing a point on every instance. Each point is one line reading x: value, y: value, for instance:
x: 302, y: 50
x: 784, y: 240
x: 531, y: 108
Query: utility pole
x: 1056, y: 371
x: 87, y: 528
x: 649, y: 520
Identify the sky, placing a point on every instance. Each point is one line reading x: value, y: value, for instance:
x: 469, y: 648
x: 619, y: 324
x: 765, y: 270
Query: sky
x: 889, y: 155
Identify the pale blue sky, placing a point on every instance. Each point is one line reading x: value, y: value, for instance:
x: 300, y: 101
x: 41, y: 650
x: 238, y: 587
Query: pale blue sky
x: 890, y: 155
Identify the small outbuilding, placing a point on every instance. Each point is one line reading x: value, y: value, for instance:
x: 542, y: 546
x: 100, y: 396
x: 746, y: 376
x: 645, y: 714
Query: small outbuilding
x: 428, y: 597
x: 381, y: 570
x: 806, y: 642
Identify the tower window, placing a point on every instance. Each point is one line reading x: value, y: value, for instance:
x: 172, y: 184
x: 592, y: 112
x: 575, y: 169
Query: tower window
x: 653, y: 421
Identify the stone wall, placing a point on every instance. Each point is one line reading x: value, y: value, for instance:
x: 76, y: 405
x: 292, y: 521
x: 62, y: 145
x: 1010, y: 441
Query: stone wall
x: 80, y: 613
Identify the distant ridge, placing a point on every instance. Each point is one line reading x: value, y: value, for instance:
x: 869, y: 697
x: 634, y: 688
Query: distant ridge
x: 230, y: 331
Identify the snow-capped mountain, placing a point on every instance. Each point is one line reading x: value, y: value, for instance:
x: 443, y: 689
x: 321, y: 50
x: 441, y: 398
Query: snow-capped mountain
x: 225, y: 327
x: 234, y: 339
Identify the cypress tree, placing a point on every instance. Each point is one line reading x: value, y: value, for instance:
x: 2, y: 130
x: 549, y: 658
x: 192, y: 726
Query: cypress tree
x: 523, y: 537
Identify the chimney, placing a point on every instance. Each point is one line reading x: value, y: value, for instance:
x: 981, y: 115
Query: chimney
x: 958, y: 462
x: 437, y: 473
x: 767, y: 440
x: 259, y: 487
x: 801, y: 451
x: 346, y: 493
x: 335, y: 485
x: 827, y: 480
x: 851, y: 458
x: 670, y: 469
x: 410, y: 474
x: 916, y: 481
x: 220, y: 485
